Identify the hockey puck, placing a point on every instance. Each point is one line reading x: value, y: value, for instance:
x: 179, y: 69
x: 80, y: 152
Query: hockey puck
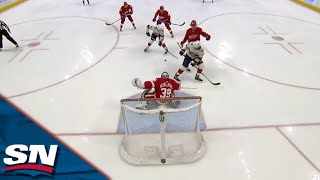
x: 165, y: 60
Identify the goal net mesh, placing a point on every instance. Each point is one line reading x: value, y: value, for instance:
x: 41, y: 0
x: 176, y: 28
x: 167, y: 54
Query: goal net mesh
x: 158, y: 131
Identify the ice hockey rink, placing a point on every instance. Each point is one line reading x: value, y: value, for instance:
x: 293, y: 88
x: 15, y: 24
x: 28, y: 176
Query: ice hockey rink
x: 263, y: 122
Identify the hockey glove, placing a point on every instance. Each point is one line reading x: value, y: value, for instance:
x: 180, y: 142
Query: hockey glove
x: 208, y: 37
x: 154, y: 19
x: 148, y: 34
x: 197, y: 62
x: 181, y: 52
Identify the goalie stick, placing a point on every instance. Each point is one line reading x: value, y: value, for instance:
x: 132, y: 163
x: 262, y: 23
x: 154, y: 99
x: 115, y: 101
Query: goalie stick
x: 112, y: 22
x: 213, y: 83
x: 188, y: 87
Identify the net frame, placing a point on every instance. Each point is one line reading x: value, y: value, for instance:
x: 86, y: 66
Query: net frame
x: 158, y: 154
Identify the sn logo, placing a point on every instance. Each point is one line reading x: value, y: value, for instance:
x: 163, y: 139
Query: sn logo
x: 18, y: 157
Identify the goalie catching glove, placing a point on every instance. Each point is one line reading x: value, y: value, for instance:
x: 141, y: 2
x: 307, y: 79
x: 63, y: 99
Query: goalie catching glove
x: 136, y: 82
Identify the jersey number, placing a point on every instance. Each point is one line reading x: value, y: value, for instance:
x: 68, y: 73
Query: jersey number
x: 165, y: 93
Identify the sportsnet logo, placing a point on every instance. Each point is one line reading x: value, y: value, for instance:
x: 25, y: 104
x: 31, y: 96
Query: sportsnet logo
x: 22, y: 157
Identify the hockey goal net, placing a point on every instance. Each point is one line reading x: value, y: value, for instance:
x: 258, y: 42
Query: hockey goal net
x: 162, y: 132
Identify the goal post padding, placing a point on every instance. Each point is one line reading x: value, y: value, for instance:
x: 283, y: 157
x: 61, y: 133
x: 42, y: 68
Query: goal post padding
x: 154, y: 138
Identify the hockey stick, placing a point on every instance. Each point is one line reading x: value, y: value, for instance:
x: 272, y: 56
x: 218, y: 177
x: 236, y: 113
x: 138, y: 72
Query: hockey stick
x: 213, y: 83
x: 168, y: 51
x: 178, y: 24
x: 113, y: 22
x: 172, y: 54
x: 189, y: 88
x: 205, y: 1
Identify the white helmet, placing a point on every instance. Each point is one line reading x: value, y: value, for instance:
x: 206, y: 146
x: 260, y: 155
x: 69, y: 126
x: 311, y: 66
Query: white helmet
x: 159, y: 27
x: 196, y: 45
x: 165, y: 75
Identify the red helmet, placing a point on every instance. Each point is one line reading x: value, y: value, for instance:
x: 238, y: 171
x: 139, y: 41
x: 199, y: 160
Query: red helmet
x: 193, y: 23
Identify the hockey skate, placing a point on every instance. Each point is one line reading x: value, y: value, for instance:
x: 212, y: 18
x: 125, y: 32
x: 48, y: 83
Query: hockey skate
x: 176, y: 77
x: 175, y: 103
x: 198, y: 78
x: 188, y: 69
x: 143, y: 106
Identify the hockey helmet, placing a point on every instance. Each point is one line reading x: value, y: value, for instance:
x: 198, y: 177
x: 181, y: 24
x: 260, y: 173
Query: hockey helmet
x: 159, y: 27
x: 165, y: 75
x: 193, y: 23
x: 196, y: 45
x: 125, y: 3
x: 161, y: 8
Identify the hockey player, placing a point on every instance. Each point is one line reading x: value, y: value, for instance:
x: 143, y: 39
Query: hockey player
x: 84, y: 2
x: 157, y: 32
x: 4, y: 28
x: 126, y: 11
x: 162, y: 87
x: 193, y: 33
x: 194, y: 54
x: 164, y: 17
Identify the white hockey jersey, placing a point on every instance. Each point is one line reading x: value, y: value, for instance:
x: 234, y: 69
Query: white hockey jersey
x: 157, y: 31
x: 195, y: 54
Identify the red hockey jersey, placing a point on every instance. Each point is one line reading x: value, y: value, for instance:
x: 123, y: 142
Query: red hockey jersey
x: 126, y: 11
x: 164, y: 87
x: 194, y: 35
x: 163, y: 16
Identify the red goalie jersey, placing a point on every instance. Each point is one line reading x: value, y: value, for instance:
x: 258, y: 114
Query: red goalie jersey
x: 164, y: 87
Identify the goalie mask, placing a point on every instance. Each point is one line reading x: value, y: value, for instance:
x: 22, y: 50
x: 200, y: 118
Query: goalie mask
x: 165, y: 75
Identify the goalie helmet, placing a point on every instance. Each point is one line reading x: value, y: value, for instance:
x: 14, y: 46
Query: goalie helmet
x: 165, y: 75
x: 196, y: 45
